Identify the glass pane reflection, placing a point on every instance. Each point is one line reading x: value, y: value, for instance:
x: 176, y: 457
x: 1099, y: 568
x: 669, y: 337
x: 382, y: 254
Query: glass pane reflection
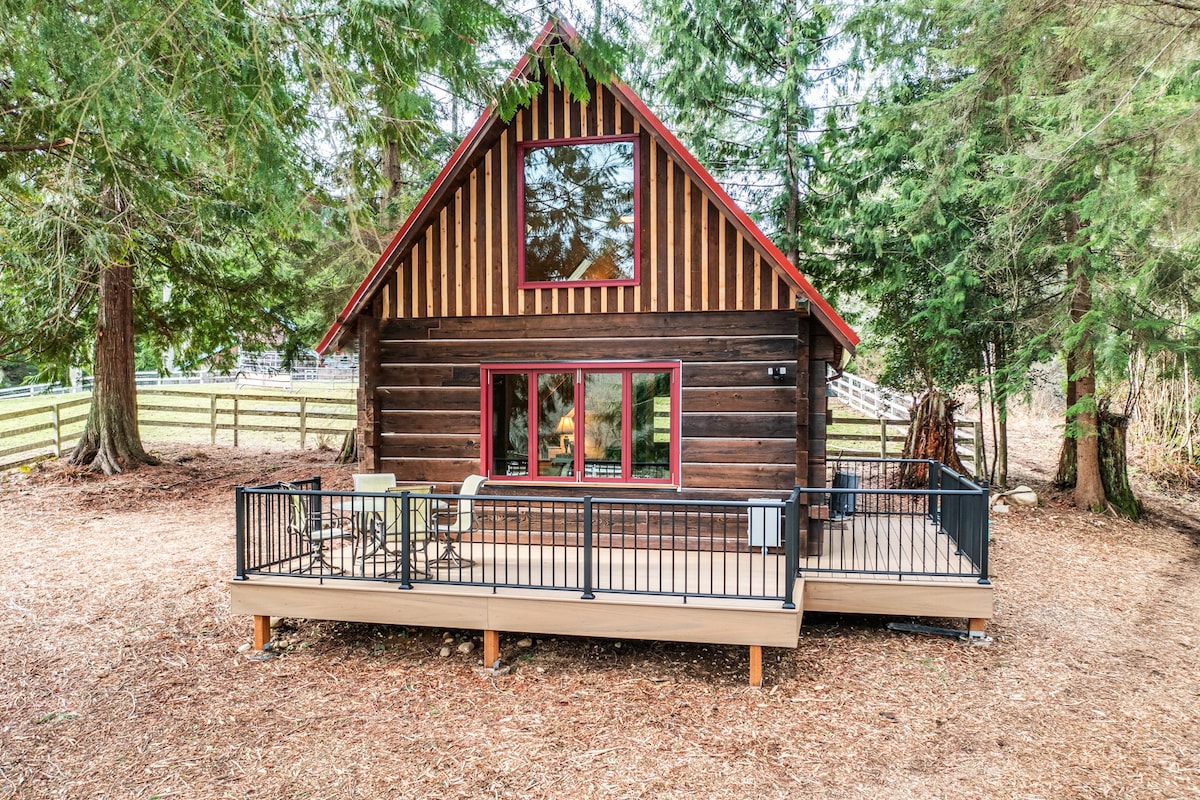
x: 602, y: 431
x: 579, y: 212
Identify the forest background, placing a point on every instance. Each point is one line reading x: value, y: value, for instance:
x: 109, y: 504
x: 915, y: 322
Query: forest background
x: 999, y: 195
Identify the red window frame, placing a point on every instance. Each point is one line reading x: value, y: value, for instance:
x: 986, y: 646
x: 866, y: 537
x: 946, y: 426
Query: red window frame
x: 522, y: 149
x: 581, y: 368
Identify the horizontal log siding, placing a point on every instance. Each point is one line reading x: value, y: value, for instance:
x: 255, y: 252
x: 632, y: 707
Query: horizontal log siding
x: 463, y: 258
x: 738, y: 425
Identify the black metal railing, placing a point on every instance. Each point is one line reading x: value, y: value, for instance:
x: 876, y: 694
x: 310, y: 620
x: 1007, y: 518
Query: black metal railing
x: 684, y: 548
x: 866, y: 523
x: 876, y: 523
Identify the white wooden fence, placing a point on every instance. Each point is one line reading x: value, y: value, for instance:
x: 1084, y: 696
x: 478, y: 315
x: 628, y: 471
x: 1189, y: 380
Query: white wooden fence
x: 871, y: 399
x: 49, y: 428
x: 882, y: 430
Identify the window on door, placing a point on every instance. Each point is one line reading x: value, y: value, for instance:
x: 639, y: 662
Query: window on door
x: 578, y: 423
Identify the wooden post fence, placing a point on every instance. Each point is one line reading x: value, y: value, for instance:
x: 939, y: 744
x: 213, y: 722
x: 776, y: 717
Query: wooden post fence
x: 45, y: 430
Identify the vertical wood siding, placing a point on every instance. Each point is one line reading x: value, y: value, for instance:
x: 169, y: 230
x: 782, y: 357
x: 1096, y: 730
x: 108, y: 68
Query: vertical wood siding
x: 463, y: 263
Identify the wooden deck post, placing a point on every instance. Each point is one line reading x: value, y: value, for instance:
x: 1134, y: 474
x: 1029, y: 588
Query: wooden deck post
x: 976, y: 628
x: 756, y: 669
x: 262, y: 631
x: 491, y: 648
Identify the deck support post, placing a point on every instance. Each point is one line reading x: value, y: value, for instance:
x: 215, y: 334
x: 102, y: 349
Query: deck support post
x: 491, y: 648
x: 262, y: 631
x: 976, y: 628
x: 756, y: 668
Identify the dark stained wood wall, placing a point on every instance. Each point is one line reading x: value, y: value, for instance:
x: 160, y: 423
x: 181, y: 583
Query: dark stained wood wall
x: 463, y: 259
x: 738, y: 424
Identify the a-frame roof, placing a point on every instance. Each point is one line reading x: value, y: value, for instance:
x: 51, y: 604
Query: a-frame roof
x: 468, y: 149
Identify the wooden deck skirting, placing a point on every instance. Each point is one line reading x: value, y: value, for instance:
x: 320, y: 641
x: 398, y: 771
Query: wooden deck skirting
x: 539, y: 611
x: 650, y: 617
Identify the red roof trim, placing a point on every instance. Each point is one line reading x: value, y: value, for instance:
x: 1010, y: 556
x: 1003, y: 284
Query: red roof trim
x: 841, y: 330
x: 826, y: 311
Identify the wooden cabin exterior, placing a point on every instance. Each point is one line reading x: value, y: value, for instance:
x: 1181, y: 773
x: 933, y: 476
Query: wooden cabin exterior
x: 744, y: 338
x: 577, y: 310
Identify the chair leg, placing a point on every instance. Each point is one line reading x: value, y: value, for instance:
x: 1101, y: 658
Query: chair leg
x: 449, y: 556
x: 396, y: 554
x: 415, y: 571
x: 319, y: 559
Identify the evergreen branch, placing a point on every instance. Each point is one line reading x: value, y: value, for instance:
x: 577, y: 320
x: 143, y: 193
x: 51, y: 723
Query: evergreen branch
x: 30, y: 147
x: 1121, y: 102
x: 1181, y: 5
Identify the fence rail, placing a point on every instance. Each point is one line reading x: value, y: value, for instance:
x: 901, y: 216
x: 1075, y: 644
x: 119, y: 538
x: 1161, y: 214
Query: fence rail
x: 870, y: 398
x: 253, y: 369
x: 680, y: 548
x: 859, y: 437
x: 145, y: 378
x: 38, y: 432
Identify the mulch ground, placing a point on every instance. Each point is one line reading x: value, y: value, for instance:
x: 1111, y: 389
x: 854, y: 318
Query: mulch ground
x: 123, y: 674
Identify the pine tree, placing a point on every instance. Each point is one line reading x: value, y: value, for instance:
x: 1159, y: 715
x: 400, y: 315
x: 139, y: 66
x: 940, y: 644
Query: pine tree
x: 160, y: 179
x: 1086, y: 144
x: 736, y: 80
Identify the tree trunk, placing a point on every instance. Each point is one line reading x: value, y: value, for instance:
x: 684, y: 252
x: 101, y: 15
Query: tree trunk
x: 790, y: 138
x: 391, y: 216
x: 930, y: 436
x: 1089, y: 487
x: 1113, y: 465
x: 349, y: 452
x: 369, y: 420
x: 1065, y: 477
x: 1002, y: 446
x: 110, y: 442
x: 1000, y: 409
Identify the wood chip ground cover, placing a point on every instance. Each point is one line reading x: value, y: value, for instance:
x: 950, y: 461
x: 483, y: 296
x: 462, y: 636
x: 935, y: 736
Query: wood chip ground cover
x: 121, y: 676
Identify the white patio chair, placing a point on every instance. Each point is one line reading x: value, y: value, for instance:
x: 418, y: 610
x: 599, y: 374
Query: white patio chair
x: 373, y: 481
x: 451, y: 525
x: 369, y: 512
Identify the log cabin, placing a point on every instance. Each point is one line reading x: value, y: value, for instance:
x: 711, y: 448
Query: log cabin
x: 576, y: 309
x: 576, y: 304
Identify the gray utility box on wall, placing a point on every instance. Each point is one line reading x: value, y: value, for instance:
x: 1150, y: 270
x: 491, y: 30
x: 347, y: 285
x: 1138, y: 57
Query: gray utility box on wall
x: 765, y: 524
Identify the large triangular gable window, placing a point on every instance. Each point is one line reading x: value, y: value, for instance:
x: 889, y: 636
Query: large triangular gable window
x: 579, y: 211
x: 582, y: 423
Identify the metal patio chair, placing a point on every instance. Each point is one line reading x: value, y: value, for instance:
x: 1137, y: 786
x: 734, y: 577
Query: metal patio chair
x: 315, y: 530
x: 456, y: 523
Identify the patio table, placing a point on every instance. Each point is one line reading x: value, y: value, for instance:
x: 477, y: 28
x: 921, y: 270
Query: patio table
x: 370, y: 513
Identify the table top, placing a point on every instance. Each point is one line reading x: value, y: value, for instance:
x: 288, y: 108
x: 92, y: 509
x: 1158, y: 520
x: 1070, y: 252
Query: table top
x: 374, y: 502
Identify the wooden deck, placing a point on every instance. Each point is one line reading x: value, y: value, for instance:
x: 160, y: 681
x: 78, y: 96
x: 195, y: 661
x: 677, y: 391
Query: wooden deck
x: 894, y: 546
x: 641, y: 593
